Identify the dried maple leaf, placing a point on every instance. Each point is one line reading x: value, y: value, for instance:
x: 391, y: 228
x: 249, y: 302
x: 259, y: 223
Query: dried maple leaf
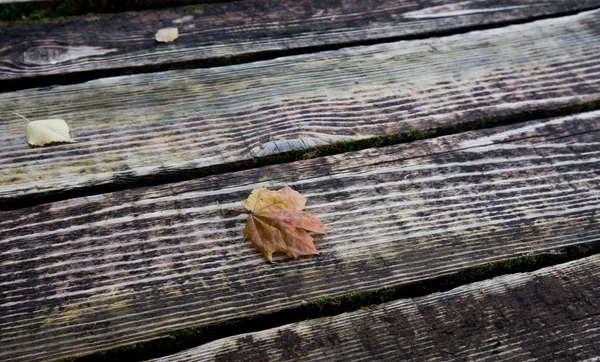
x: 276, y: 222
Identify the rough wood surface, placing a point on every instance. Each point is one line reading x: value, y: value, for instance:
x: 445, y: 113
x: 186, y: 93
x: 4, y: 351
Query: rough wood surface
x: 91, y: 273
x: 141, y: 125
x: 547, y: 315
x: 125, y: 41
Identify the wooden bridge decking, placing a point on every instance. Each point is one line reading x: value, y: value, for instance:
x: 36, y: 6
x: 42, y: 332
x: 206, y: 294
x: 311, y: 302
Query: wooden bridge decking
x: 433, y: 138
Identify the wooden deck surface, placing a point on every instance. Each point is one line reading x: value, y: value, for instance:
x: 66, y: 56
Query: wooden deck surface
x: 130, y: 266
x: 128, y: 127
x: 239, y: 28
x: 490, y: 116
x: 540, y: 315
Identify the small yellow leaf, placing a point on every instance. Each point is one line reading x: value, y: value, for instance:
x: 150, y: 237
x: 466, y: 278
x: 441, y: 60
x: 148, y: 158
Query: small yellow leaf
x: 46, y: 131
x: 166, y: 35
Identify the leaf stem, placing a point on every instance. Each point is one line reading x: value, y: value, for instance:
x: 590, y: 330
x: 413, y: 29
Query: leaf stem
x: 15, y: 113
x: 240, y: 211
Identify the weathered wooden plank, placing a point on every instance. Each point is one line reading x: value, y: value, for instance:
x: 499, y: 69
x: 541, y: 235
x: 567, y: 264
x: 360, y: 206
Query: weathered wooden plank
x: 125, y: 41
x: 143, y: 125
x: 90, y: 273
x: 549, y: 314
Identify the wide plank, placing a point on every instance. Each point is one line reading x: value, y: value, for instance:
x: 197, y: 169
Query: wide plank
x: 547, y: 315
x: 171, y: 122
x: 86, y: 274
x: 121, y: 43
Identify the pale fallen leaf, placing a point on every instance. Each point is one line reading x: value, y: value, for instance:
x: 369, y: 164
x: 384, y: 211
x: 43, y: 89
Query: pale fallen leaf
x: 46, y: 131
x: 166, y: 35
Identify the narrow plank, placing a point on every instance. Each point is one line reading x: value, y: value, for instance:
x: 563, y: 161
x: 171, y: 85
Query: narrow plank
x: 549, y: 314
x: 145, y: 125
x: 86, y: 274
x: 125, y: 41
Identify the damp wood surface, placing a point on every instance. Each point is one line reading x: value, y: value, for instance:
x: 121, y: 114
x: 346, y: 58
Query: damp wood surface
x: 125, y: 41
x: 549, y: 314
x: 141, y: 126
x: 87, y: 274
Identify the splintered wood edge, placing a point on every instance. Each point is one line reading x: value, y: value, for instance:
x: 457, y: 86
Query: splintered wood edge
x: 240, y: 28
x: 144, y: 126
x: 130, y: 266
x: 549, y: 312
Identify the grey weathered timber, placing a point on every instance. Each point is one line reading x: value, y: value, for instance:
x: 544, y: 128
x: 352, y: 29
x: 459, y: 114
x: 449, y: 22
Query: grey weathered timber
x: 547, y: 315
x: 85, y: 274
x: 144, y: 125
x: 125, y: 41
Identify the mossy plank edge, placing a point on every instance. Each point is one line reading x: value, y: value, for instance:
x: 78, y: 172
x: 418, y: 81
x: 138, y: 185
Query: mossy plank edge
x: 142, y: 126
x: 526, y: 316
x: 44, y: 10
x: 215, y: 31
x: 89, y: 274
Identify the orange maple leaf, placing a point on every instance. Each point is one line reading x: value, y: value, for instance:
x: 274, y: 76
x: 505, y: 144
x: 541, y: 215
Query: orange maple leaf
x: 276, y: 222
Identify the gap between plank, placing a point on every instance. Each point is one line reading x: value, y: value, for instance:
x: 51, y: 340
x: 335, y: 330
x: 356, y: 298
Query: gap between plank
x: 54, y: 9
x: 190, y: 337
x: 10, y: 85
x: 124, y: 183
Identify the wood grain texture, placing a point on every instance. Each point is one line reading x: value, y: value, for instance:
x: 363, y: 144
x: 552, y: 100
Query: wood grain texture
x: 125, y: 41
x: 549, y: 314
x: 143, y: 125
x: 86, y: 274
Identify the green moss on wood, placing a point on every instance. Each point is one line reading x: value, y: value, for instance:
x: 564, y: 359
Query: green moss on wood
x: 57, y: 9
x: 38, y: 11
x: 195, y: 7
x: 10, y: 12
